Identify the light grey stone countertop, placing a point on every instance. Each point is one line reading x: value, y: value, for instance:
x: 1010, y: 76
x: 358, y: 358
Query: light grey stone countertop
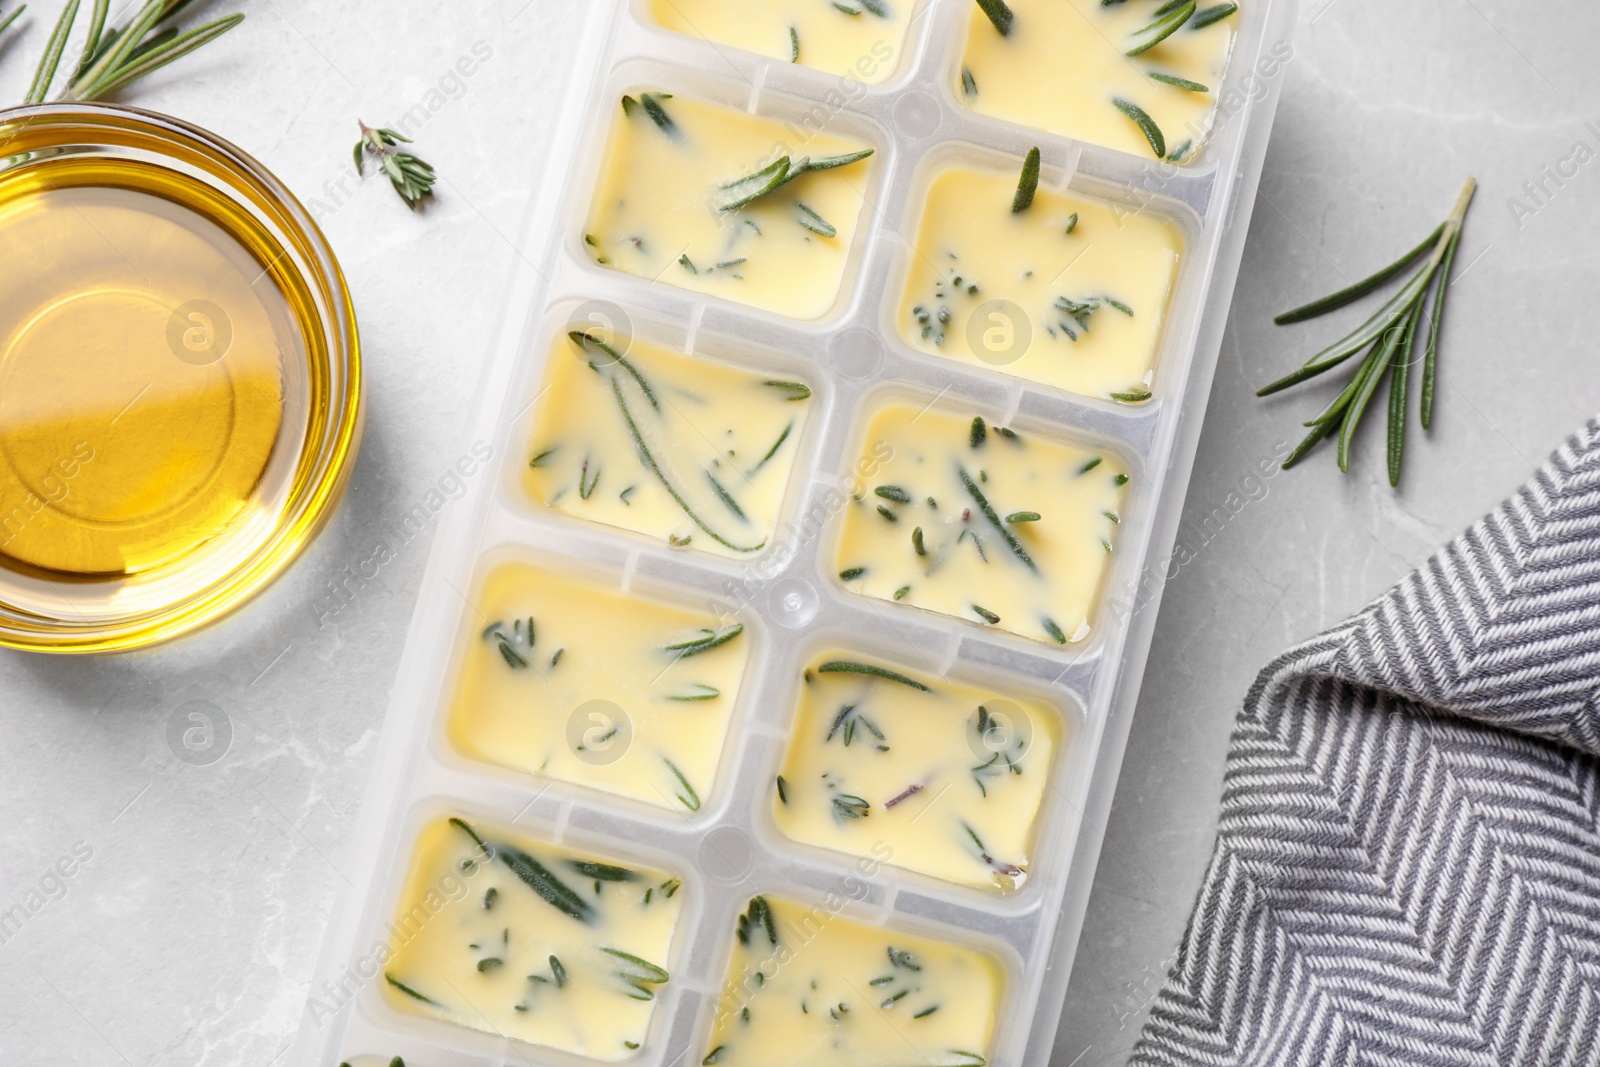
x: 189, y: 928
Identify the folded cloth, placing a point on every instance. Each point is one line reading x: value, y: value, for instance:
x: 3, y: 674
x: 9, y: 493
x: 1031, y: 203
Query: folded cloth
x: 1407, y: 869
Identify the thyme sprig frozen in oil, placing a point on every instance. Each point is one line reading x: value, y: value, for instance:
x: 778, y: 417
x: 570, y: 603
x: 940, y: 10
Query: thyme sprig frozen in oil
x: 117, y: 57
x: 411, y: 176
x: 1389, y: 337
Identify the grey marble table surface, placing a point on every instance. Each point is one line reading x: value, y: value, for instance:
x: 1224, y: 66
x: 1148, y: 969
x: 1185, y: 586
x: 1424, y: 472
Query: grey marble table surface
x: 190, y: 925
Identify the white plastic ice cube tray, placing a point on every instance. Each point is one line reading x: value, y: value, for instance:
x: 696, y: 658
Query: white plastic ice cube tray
x: 787, y: 597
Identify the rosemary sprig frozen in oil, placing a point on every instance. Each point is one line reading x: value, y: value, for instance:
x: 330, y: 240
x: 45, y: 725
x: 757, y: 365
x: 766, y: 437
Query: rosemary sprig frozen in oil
x: 411, y: 176
x: 117, y: 57
x: 647, y: 457
x: 640, y: 975
x: 1147, y: 125
x: 408, y: 991
x: 870, y: 670
x: 758, y: 919
x: 705, y: 641
x: 1390, y: 338
x: 545, y: 883
x: 1169, y: 19
x: 1028, y: 183
x: 775, y: 175
x: 1000, y: 14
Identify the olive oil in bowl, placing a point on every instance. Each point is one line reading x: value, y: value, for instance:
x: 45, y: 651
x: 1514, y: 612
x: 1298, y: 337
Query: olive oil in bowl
x: 178, y: 388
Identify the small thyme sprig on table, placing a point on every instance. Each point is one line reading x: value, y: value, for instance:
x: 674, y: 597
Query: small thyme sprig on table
x: 411, y: 177
x: 1390, y: 337
x: 115, y: 58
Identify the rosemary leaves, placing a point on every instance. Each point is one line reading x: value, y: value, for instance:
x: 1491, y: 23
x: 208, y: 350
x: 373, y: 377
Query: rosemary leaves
x: 1390, y: 338
x: 538, y: 934
x: 117, y: 57
x: 744, y: 191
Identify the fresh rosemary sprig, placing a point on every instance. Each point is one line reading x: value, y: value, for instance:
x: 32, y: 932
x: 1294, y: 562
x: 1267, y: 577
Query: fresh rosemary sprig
x: 116, y: 58
x: 1390, y: 337
x: 411, y: 176
x: 5, y: 23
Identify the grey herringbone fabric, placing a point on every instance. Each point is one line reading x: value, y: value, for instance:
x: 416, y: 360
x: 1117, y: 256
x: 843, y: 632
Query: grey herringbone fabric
x: 1408, y: 866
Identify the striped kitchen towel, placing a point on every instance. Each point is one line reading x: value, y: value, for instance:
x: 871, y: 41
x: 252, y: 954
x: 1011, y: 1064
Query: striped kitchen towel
x: 1407, y: 869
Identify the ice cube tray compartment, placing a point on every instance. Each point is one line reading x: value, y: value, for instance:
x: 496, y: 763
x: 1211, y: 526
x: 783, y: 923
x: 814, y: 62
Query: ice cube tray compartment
x: 787, y: 596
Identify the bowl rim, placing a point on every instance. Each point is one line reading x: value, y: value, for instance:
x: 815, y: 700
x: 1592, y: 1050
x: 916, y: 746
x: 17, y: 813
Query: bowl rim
x: 305, y: 511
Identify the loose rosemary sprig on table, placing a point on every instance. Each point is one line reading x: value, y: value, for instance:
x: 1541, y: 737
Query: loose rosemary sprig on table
x: 7, y: 20
x: 115, y: 58
x: 1390, y: 337
x: 411, y: 177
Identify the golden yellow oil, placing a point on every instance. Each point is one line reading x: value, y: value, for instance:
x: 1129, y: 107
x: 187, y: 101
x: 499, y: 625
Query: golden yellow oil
x: 152, y: 369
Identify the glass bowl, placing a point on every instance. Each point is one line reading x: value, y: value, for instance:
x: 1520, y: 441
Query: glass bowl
x: 180, y: 378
